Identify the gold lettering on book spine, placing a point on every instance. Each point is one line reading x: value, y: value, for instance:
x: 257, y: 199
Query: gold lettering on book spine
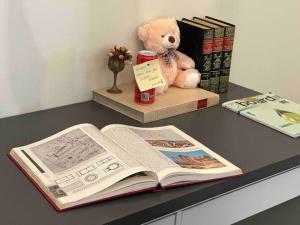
x: 208, y: 34
x: 217, y: 62
x: 219, y: 32
x: 207, y: 63
x: 204, y: 84
x: 227, y: 60
x: 229, y: 31
x: 223, y: 84
x: 214, y: 84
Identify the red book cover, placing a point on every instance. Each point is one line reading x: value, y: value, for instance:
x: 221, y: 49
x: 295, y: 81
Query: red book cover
x: 56, y: 207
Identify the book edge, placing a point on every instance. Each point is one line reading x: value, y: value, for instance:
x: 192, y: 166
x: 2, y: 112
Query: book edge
x: 202, y: 181
x: 119, y: 107
x: 229, y: 24
x: 59, y: 209
x: 55, y: 206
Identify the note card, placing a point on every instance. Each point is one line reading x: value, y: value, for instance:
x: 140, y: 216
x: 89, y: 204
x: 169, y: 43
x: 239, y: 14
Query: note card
x: 148, y: 75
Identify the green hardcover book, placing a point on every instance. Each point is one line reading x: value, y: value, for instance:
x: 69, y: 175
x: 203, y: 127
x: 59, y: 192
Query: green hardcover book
x: 271, y: 110
x: 227, y: 52
x: 216, y: 52
x: 196, y: 42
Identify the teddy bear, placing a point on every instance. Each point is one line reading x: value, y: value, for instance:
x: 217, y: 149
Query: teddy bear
x: 162, y: 36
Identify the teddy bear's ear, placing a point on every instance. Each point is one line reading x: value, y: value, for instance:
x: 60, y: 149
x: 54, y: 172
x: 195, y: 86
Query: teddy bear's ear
x: 172, y: 19
x: 142, y: 32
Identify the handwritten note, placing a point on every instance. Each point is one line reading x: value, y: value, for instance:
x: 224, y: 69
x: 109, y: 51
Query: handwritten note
x: 148, y: 75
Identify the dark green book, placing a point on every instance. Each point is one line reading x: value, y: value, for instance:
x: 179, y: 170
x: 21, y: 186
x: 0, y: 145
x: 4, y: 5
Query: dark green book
x: 227, y: 51
x: 196, y: 42
x: 216, y: 52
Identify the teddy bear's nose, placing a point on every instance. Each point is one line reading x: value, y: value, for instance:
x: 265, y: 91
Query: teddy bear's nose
x: 171, y: 39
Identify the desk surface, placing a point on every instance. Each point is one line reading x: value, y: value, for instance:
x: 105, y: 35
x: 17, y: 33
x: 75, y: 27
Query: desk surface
x: 258, y: 150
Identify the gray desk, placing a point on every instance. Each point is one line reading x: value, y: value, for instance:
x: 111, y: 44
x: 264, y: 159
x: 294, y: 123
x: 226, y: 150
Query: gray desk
x: 258, y: 150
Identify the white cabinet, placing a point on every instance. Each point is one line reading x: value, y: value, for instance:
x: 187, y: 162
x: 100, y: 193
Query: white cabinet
x: 238, y: 204
x: 168, y: 220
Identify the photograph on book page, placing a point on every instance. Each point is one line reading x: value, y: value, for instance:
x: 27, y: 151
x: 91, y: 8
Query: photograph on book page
x: 178, y: 149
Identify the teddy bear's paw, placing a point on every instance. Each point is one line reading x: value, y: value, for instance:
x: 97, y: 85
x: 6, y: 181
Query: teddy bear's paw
x: 192, y: 80
x: 160, y: 89
x: 189, y: 64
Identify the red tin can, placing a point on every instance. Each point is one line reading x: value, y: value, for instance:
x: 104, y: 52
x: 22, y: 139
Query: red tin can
x: 144, y: 97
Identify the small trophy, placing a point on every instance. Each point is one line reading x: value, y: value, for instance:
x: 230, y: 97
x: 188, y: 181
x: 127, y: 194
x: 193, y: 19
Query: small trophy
x: 117, y: 58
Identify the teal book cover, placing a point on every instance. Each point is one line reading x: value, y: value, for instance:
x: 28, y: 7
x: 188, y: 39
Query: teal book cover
x: 271, y: 110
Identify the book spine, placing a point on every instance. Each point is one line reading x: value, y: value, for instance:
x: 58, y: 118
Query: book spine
x: 181, y: 109
x: 118, y: 107
x: 206, y: 59
x: 226, y: 58
x: 217, y: 49
x: 172, y: 111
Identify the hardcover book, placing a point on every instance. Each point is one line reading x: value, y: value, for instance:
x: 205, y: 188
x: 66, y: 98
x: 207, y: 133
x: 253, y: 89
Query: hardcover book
x: 271, y: 110
x: 174, y: 102
x: 227, y: 52
x: 217, y: 52
x: 196, y: 42
x: 83, y: 164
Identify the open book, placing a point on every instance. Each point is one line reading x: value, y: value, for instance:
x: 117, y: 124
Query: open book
x: 83, y: 164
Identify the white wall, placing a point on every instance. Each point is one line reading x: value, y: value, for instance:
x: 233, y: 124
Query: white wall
x: 52, y: 52
x: 266, y: 53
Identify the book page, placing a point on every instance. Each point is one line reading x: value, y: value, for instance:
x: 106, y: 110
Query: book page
x: 135, y: 145
x: 168, y: 151
x: 77, y: 162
